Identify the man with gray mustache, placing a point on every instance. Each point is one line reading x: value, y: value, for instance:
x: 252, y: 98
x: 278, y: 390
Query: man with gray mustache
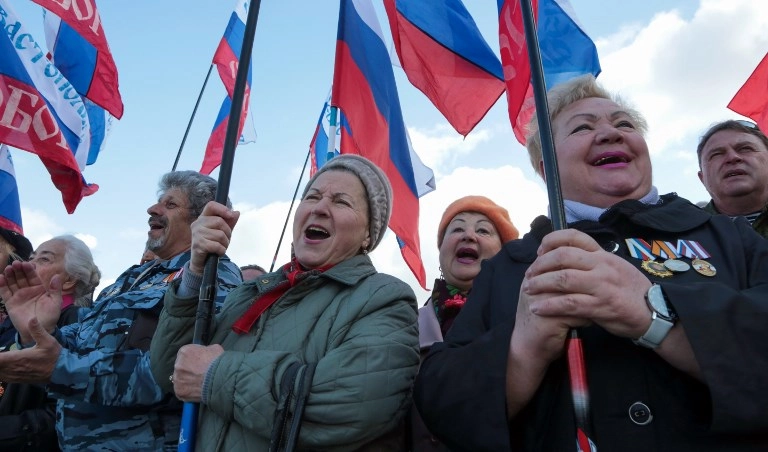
x: 99, y: 369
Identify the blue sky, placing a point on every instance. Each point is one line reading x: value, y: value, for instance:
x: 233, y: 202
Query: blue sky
x: 679, y: 62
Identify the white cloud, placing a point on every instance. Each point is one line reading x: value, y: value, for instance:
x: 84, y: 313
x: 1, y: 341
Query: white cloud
x: 89, y: 240
x: 681, y: 73
x: 508, y: 186
x: 440, y: 146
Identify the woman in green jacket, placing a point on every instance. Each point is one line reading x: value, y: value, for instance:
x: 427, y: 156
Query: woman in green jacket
x: 325, y: 347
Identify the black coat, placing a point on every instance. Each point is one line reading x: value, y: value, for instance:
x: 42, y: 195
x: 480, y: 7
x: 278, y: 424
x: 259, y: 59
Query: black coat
x: 460, y: 389
x: 27, y: 415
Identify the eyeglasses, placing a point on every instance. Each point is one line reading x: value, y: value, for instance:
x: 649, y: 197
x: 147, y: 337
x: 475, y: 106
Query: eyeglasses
x: 747, y: 124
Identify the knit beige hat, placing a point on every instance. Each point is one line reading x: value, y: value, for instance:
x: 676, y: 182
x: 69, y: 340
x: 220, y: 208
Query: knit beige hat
x: 377, y: 188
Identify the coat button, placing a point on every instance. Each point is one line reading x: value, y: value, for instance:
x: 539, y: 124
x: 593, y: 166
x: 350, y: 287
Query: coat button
x: 611, y: 247
x: 640, y: 414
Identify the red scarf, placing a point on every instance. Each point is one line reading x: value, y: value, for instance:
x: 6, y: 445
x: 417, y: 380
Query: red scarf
x: 67, y: 300
x: 294, y: 274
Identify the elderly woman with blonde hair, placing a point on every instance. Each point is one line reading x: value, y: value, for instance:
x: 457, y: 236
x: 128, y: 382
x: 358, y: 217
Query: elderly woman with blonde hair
x: 670, y: 301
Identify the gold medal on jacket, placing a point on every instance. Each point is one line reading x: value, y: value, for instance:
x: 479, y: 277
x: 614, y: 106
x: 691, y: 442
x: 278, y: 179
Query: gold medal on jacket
x: 656, y: 269
x: 703, y: 267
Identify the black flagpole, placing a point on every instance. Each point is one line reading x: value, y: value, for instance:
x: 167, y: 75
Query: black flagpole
x: 208, y: 287
x: 576, y: 366
x: 191, y: 118
x: 290, y: 209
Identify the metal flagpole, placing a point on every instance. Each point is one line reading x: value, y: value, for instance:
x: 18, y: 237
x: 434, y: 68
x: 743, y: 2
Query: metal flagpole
x: 575, y: 352
x: 191, y: 118
x: 188, y: 431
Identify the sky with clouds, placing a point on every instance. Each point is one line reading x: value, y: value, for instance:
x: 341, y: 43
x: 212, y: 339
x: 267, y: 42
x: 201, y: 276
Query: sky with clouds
x: 678, y: 62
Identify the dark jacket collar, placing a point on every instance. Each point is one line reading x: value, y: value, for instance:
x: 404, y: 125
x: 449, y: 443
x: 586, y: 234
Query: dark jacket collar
x: 624, y: 219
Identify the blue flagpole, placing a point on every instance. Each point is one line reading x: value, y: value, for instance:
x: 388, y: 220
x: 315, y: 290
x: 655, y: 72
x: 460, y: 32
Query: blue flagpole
x: 188, y: 432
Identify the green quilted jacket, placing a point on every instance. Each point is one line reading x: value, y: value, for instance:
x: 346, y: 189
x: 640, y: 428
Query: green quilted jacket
x: 357, y: 328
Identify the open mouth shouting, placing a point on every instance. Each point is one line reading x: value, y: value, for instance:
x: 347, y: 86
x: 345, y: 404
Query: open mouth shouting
x: 156, y: 223
x: 315, y: 233
x: 466, y: 255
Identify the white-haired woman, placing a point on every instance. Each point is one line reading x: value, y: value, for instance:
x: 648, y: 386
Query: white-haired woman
x: 28, y: 416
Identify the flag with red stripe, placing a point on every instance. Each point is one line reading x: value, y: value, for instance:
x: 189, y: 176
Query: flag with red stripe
x: 444, y: 55
x: 365, y: 91
x: 82, y: 54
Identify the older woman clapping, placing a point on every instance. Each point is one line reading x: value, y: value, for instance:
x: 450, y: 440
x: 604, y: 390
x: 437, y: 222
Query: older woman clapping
x: 326, y: 331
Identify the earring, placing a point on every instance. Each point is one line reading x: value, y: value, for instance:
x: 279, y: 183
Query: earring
x: 440, y: 269
x: 365, y: 251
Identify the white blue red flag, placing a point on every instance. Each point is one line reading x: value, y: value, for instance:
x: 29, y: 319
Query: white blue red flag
x: 444, y: 55
x: 215, y: 147
x: 72, y: 55
x: 227, y: 59
x: 10, y: 209
x: 566, y: 52
x: 318, y: 147
x: 81, y: 51
x: 319, y: 154
x: 365, y: 91
x: 752, y: 98
x: 41, y: 112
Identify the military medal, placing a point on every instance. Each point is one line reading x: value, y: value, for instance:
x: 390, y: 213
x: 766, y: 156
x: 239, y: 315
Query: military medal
x: 676, y: 265
x: 656, y: 269
x: 703, y: 267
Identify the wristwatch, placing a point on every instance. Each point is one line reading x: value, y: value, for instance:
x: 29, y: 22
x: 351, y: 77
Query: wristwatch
x: 663, y: 318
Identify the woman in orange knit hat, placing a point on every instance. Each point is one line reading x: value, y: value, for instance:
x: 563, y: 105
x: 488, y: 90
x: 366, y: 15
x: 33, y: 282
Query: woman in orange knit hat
x: 472, y: 229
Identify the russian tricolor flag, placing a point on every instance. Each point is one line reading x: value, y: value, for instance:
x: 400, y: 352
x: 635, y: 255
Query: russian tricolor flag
x: 227, y: 56
x: 10, y: 209
x: 81, y: 51
x: 364, y: 89
x: 227, y: 59
x: 318, y: 147
x: 444, y: 55
x: 48, y: 117
x: 215, y: 147
x: 75, y: 58
x: 566, y: 52
x: 319, y: 154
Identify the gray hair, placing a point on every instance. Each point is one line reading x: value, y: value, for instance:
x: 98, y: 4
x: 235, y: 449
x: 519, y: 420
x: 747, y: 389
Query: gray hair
x: 78, y: 263
x: 565, y: 94
x: 199, y: 188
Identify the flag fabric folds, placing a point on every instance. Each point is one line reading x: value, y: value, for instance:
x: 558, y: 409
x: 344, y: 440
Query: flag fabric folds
x: 423, y: 175
x: 73, y: 56
x: 215, y: 147
x: 318, y: 147
x: 10, y: 208
x: 444, y: 55
x: 752, y: 98
x: 81, y: 51
x: 227, y: 59
x: 566, y: 52
x: 41, y: 112
x: 365, y: 91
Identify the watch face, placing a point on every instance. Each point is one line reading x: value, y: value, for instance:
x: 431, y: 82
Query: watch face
x: 658, y: 303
